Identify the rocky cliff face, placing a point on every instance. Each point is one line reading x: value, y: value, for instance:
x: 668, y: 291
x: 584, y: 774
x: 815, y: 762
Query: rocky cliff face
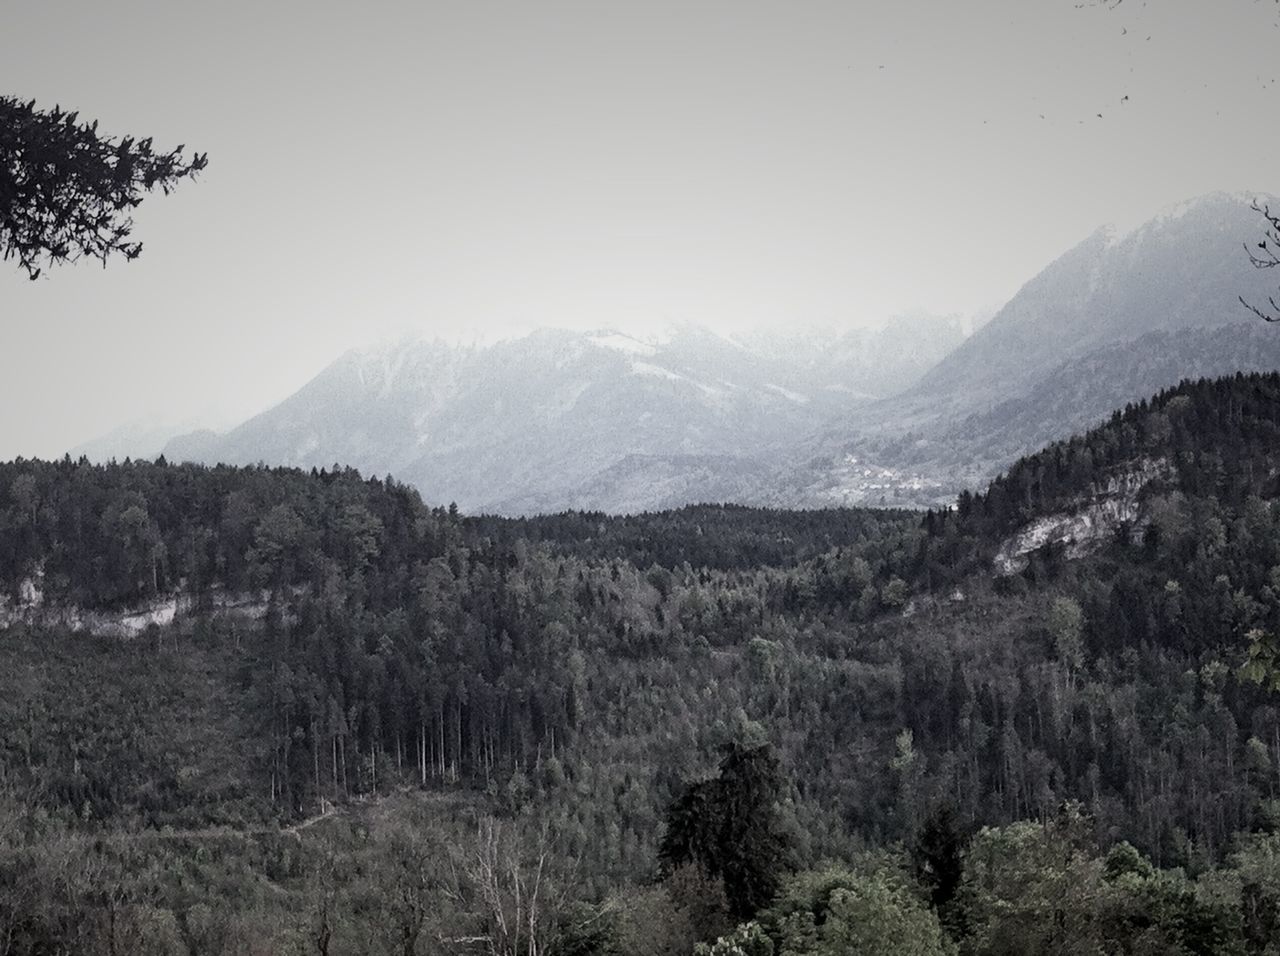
x: 1087, y: 526
x: 32, y: 610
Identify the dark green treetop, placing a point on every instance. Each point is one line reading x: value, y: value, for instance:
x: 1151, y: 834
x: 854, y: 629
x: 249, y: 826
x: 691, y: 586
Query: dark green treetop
x: 730, y: 826
x: 66, y: 191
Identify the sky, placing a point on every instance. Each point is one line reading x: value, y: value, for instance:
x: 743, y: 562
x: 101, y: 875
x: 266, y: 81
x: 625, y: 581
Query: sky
x: 475, y: 169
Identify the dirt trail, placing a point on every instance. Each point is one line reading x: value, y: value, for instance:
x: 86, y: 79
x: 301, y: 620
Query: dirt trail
x: 327, y: 810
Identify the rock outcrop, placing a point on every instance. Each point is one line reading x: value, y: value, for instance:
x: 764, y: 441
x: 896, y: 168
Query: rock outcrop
x: 33, y: 610
x: 1088, y: 525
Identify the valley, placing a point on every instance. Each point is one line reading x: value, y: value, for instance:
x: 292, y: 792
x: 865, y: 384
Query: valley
x: 640, y: 479
x: 545, y: 689
x: 904, y: 416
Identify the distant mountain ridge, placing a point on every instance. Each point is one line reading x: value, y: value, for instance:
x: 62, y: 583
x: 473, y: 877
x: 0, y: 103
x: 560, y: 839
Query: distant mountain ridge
x: 1118, y: 317
x: 1185, y: 268
x: 538, y: 423
x: 908, y: 415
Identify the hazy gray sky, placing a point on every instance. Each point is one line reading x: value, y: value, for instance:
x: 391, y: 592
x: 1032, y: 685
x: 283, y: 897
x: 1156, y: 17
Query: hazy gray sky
x: 476, y: 167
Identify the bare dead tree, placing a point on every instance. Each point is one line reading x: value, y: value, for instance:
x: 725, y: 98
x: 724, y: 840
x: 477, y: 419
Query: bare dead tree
x: 323, y: 914
x: 519, y: 902
x: 413, y: 886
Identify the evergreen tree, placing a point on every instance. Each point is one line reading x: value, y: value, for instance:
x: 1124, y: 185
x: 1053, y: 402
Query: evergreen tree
x: 730, y: 827
x: 937, y: 855
x: 66, y: 191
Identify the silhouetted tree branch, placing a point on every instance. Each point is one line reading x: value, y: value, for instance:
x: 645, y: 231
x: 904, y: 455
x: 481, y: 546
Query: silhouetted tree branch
x: 1263, y: 255
x: 66, y: 191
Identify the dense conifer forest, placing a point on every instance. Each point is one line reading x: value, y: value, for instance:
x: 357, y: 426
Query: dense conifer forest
x: 359, y: 724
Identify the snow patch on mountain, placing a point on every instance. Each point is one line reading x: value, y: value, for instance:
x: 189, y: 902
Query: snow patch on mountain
x: 789, y: 394
x: 539, y: 421
x: 618, y: 342
x: 646, y: 368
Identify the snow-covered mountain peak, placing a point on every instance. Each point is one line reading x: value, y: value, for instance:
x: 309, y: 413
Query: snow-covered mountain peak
x: 532, y: 422
x: 620, y: 342
x: 1217, y: 205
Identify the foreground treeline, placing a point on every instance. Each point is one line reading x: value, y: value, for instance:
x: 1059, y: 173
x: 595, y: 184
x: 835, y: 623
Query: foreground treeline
x: 418, y: 874
x: 1025, y: 888
x: 572, y: 671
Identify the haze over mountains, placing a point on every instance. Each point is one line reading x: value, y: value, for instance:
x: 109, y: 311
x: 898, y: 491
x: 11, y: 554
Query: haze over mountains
x: 1116, y: 318
x: 544, y: 422
x: 908, y: 414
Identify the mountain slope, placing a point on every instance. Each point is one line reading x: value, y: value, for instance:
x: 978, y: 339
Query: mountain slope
x: 938, y: 459
x: 562, y: 419
x: 907, y: 415
x: 1115, y: 319
x: 1185, y: 475
x: 1182, y: 269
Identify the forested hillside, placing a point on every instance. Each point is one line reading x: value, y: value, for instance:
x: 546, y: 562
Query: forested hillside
x: 1117, y: 318
x: 1078, y: 395
x: 842, y: 731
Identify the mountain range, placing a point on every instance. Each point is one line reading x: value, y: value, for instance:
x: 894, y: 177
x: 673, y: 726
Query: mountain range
x: 1116, y: 318
x: 908, y: 414
x: 562, y: 419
